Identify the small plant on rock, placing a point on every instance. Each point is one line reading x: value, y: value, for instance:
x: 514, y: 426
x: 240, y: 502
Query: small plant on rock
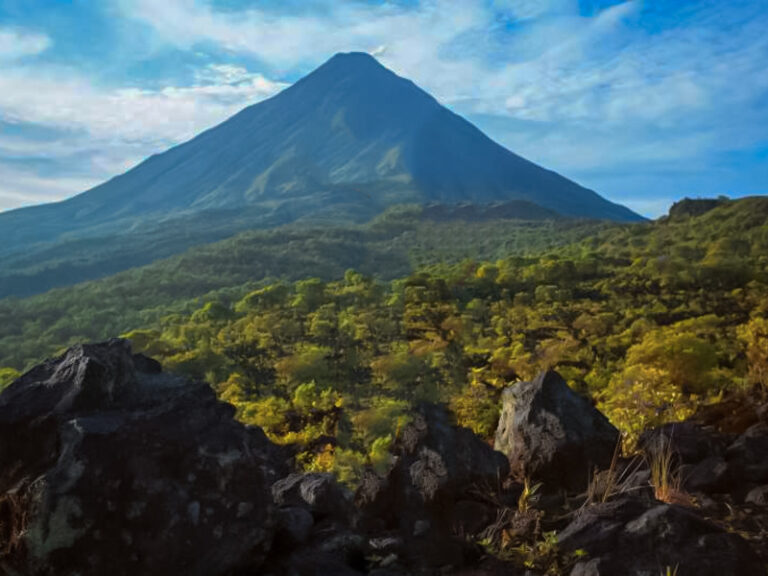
x: 666, y: 475
x: 528, y: 496
x: 608, y: 483
x: 545, y: 556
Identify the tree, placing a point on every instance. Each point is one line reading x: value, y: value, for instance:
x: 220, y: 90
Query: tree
x: 477, y: 408
x: 643, y: 397
x: 754, y: 335
x: 688, y: 360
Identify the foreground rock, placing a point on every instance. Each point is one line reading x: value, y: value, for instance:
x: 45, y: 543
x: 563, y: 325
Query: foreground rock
x: 108, y: 466
x: 552, y: 434
x: 635, y: 537
x: 714, y: 462
x: 426, y: 500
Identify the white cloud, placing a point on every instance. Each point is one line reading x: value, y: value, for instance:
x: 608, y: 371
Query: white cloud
x: 23, y: 188
x: 16, y: 44
x: 226, y: 74
x: 102, y: 132
x: 530, y: 9
x: 559, y: 66
x: 57, y: 99
x: 285, y: 41
x: 581, y: 93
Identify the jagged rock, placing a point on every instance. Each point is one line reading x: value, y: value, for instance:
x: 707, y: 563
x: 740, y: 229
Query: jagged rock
x: 758, y: 496
x: 713, y: 462
x: 147, y: 365
x: 690, y: 442
x: 470, y: 517
x: 747, y: 454
x: 329, y: 550
x: 436, y: 463
x: 108, y: 466
x: 552, y: 434
x: 386, y: 544
x: 318, y: 493
x: 635, y: 537
x: 294, y: 525
x: 710, y: 475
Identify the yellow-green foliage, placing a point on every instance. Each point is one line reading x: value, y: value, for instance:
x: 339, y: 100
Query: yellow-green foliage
x: 651, y: 319
x: 754, y: 335
x: 307, y: 397
x: 384, y: 416
x: 684, y: 353
x: 643, y: 397
x: 643, y: 317
x: 7, y: 375
x: 380, y: 457
x: 269, y: 413
x: 477, y: 407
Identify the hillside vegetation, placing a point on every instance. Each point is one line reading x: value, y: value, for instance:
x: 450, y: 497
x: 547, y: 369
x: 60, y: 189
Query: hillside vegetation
x: 395, y: 244
x: 653, y: 320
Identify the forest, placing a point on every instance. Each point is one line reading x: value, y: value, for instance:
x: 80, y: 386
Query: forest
x: 393, y: 245
x: 651, y: 320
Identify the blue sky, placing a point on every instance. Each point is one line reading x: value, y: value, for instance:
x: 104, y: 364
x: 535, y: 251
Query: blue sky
x: 643, y: 101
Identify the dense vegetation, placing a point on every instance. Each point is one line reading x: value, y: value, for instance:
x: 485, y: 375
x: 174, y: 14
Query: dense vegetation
x: 392, y: 246
x: 650, y: 319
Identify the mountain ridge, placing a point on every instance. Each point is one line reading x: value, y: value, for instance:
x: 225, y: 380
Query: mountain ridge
x: 342, y: 144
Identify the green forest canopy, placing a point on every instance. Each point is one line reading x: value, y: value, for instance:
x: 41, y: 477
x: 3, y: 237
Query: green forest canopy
x: 650, y: 319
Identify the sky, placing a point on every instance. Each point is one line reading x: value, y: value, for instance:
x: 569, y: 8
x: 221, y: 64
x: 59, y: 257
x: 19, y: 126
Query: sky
x: 645, y: 102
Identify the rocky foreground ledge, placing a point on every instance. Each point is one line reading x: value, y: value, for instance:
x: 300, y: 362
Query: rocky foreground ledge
x: 109, y: 466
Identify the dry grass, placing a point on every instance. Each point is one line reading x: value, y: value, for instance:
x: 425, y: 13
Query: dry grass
x: 666, y: 474
x: 609, y: 483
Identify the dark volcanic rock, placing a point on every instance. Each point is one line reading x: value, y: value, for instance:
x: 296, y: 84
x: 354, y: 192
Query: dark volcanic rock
x: 690, y: 442
x: 471, y: 517
x: 748, y: 455
x: 710, y: 475
x: 552, y: 434
x: 318, y: 493
x: 712, y: 461
x: 436, y: 463
x: 294, y: 524
x: 758, y: 496
x: 637, y: 537
x: 108, y: 466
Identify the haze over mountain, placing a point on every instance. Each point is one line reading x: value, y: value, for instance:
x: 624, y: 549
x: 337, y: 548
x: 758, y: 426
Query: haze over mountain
x: 343, y: 143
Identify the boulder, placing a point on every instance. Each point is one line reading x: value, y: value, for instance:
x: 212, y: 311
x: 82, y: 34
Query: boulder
x: 294, y: 525
x: 757, y: 496
x: 437, y: 464
x: 690, y: 442
x: 319, y: 493
x: 552, y: 434
x: 470, y: 517
x: 636, y: 537
x: 747, y: 455
x: 108, y: 466
x: 711, y: 475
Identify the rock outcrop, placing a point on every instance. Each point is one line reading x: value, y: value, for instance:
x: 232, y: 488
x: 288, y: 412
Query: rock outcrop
x: 714, y: 462
x: 635, y: 536
x: 108, y: 466
x: 429, y: 489
x: 553, y: 435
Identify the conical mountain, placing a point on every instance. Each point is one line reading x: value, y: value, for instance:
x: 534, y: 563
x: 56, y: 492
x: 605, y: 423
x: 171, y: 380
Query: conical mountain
x: 351, y: 136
